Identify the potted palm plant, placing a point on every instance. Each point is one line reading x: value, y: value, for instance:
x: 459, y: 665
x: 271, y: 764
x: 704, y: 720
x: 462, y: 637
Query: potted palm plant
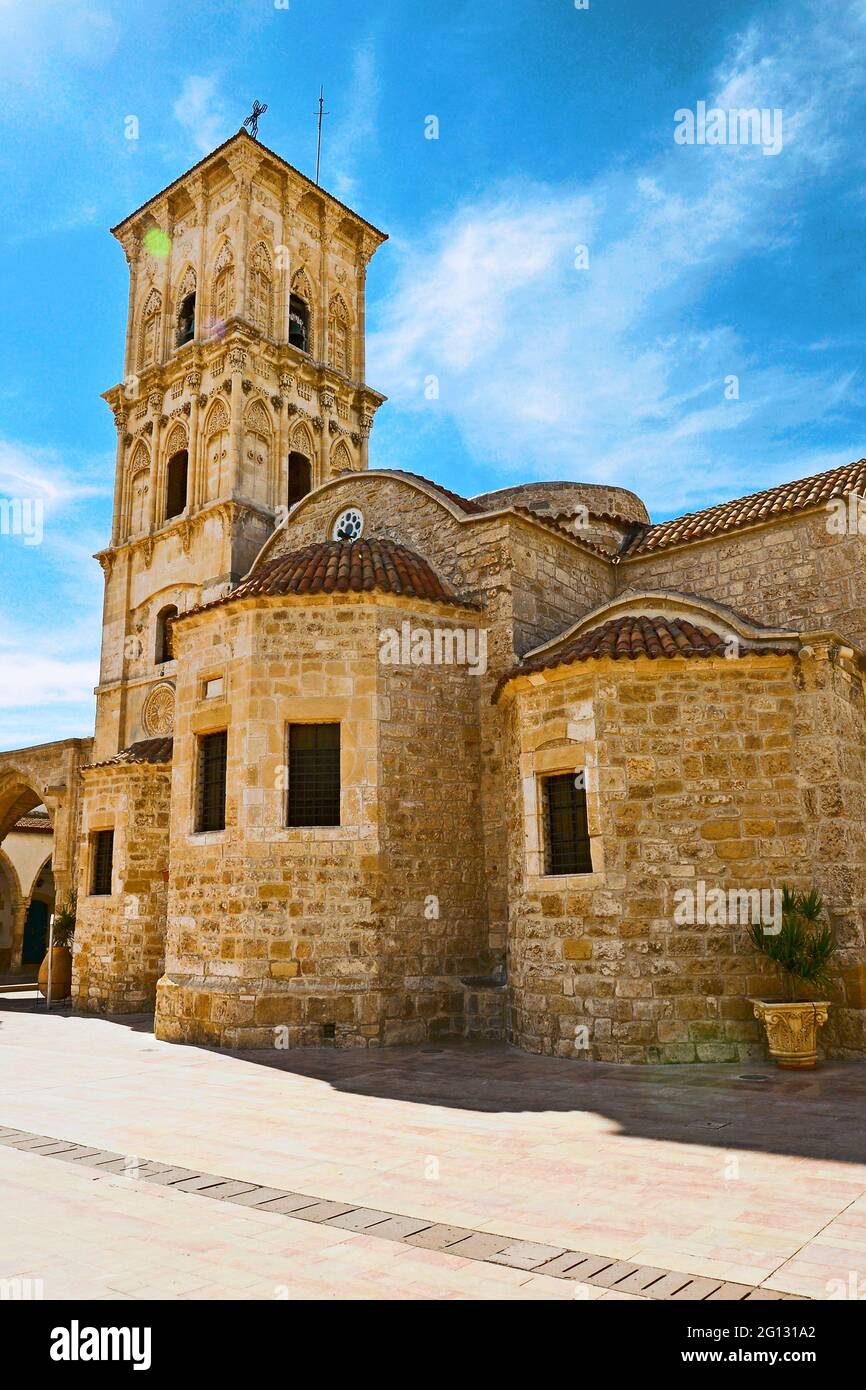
x: 801, y: 949
x: 61, y: 963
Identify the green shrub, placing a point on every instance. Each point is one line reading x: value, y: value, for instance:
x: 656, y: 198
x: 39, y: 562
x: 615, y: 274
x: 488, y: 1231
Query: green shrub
x: 64, y: 923
x: 803, y: 947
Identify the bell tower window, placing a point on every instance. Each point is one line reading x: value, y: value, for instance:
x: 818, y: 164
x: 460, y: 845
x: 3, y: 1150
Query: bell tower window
x: 299, y: 323
x: 186, y: 320
x: 175, y: 492
x: 299, y: 478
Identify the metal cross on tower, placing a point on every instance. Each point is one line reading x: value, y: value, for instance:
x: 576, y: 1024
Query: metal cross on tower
x: 321, y: 114
x: 252, y: 120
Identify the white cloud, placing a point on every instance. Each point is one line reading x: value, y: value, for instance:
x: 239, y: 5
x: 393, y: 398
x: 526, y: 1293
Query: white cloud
x: 352, y: 135
x: 608, y: 372
x: 201, y: 112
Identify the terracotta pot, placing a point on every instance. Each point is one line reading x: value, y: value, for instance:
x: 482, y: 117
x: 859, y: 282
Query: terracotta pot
x: 61, y: 973
x: 792, y: 1030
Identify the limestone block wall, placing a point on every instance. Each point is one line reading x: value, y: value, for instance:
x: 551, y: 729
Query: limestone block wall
x: 532, y: 584
x: 282, y: 936
x: 120, y: 938
x: 832, y: 771
x: 697, y: 771
x: 793, y: 573
x: 432, y: 897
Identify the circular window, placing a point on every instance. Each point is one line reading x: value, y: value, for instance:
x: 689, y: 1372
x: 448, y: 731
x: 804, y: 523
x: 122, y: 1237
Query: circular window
x: 348, y: 525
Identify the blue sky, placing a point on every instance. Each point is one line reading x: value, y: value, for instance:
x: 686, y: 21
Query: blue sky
x: 556, y: 131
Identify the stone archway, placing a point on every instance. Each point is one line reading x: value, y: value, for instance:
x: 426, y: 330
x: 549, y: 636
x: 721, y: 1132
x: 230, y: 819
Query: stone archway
x: 47, y: 775
x: 11, y: 900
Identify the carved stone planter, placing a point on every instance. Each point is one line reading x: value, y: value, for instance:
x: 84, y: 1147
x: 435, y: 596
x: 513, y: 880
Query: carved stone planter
x: 792, y: 1031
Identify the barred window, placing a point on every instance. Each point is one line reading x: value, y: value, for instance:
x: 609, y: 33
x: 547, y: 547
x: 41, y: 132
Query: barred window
x: 566, y: 838
x: 314, y: 774
x: 103, y: 861
x: 211, y: 808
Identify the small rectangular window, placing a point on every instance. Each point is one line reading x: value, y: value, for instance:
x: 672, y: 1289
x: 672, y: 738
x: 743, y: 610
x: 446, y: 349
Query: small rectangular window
x: 211, y: 808
x: 566, y: 837
x: 103, y: 861
x: 212, y: 688
x: 314, y: 774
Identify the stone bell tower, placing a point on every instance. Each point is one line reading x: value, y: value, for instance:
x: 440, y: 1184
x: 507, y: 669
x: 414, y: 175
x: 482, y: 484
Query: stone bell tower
x: 243, y: 388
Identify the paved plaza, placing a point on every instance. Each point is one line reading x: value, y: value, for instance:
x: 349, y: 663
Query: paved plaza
x: 486, y: 1172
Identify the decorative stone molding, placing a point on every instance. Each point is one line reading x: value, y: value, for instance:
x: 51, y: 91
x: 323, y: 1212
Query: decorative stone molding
x: 193, y: 381
x: 154, y: 401
x: 237, y: 359
x: 157, y: 713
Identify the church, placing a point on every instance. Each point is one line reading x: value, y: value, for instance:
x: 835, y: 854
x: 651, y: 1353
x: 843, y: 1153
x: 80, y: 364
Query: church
x: 375, y: 763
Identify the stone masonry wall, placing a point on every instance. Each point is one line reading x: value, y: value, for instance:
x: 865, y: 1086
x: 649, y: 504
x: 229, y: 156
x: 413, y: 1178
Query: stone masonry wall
x: 119, y: 939
x: 794, y: 573
x: 696, y: 771
x: 280, y: 936
x: 433, y: 909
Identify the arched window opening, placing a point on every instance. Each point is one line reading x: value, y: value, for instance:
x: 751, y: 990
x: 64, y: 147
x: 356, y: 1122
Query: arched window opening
x: 299, y: 477
x: 150, y: 330
x: 163, y: 634
x: 339, y: 336
x: 186, y: 320
x: 299, y: 323
x: 222, y: 299
x: 260, y: 291
x: 175, y: 492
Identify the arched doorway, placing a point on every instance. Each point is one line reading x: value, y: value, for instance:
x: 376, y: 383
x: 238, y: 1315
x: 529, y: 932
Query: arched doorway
x: 35, y: 940
x: 27, y: 845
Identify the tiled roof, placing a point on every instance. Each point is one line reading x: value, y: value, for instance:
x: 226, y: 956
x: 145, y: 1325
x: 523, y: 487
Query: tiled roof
x: 342, y: 567
x: 34, y: 820
x: 628, y: 637
x: 147, y: 750
x: 797, y: 496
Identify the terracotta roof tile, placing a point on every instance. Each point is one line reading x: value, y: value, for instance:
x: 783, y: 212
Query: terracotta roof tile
x: 146, y: 750
x: 796, y: 496
x: 628, y: 637
x: 342, y: 567
x: 35, y: 820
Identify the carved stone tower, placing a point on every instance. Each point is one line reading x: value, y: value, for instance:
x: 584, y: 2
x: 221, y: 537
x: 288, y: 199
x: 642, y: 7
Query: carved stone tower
x: 243, y: 388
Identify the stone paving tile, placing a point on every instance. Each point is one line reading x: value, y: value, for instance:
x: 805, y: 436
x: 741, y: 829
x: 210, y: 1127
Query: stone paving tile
x: 438, y: 1237
x: 401, y: 1227
x: 479, y: 1246
x: 257, y: 1195
x: 730, y: 1292
x: 563, y: 1264
x: 289, y: 1203
x: 222, y: 1191
x: 651, y: 1188
x: 197, y: 1181
x: 610, y: 1277
x: 323, y: 1211
x: 170, y: 1176
x: 359, y: 1219
x: 642, y: 1280
x: 666, y: 1287
x: 527, y: 1254
x: 696, y: 1290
